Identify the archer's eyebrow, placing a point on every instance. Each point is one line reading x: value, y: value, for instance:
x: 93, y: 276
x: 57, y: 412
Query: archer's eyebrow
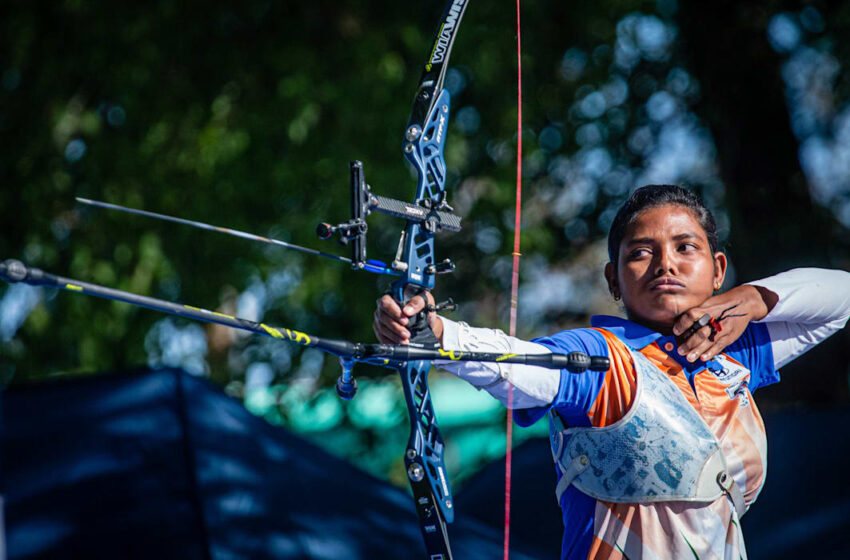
x: 650, y: 240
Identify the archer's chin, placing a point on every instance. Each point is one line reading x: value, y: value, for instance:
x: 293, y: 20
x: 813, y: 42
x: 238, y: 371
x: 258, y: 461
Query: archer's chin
x: 666, y: 308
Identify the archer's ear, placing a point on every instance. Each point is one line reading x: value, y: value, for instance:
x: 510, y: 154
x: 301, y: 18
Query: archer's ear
x: 611, y: 278
x: 720, y: 266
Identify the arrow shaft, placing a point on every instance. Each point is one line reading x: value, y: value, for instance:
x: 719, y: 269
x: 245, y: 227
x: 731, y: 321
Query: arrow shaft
x: 209, y: 227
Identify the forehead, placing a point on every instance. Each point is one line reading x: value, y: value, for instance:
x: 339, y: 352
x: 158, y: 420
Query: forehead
x: 669, y: 220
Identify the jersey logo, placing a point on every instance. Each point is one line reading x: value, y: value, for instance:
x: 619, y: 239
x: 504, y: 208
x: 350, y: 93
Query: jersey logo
x: 727, y: 371
x: 732, y: 374
x: 739, y: 390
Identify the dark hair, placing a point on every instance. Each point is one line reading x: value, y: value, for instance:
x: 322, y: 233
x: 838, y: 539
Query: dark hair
x: 652, y: 196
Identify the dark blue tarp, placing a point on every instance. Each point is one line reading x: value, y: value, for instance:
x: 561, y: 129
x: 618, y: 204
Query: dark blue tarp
x: 160, y: 465
x: 163, y: 465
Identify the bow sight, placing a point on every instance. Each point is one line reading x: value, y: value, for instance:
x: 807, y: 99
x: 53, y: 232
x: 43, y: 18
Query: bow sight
x: 431, y: 217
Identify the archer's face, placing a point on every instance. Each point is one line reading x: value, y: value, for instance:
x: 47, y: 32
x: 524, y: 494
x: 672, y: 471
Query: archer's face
x: 665, y: 266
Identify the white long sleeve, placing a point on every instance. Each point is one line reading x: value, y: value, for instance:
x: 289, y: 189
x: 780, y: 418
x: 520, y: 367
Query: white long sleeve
x: 813, y: 304
x: 532, y: 385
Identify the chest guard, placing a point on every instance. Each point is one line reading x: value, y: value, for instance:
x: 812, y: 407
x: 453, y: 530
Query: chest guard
x: 661, y: 450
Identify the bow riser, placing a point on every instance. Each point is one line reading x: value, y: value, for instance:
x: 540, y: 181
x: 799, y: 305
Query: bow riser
x: 424, y: 142
x: 426, y: 469
x: 423, y: 461
x: 423, y: 148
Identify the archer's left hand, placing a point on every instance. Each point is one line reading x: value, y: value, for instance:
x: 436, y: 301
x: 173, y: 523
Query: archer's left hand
x: 724, y: 319
x: 391, y: 320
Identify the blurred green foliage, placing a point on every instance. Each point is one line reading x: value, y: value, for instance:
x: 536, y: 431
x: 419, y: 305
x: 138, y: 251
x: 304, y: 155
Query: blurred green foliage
x: 246, y: 116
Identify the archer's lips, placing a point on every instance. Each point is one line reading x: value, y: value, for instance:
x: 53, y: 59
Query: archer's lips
x: 666, y: 285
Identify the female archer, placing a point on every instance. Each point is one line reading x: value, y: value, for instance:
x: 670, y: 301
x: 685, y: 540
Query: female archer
x: 662, y: 454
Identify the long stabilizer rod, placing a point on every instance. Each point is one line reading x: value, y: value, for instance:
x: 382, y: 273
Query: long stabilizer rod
x: 13, y: 271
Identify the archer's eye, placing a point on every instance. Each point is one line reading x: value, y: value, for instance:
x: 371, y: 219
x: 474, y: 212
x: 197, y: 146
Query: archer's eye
x: 638, y: 253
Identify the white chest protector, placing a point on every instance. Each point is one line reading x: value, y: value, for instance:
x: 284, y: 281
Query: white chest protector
x: 661, y: 450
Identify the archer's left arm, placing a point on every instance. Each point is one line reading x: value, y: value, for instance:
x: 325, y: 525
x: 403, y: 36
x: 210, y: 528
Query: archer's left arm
x: 811, y: 304
x: 531, y: 386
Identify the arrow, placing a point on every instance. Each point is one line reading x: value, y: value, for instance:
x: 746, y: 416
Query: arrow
x: 371, y: 266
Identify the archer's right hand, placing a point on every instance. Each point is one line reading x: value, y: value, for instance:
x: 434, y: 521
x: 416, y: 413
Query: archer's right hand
x: 391, y: 319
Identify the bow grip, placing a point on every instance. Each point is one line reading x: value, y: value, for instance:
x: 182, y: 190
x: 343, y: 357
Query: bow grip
x: 421, y: 335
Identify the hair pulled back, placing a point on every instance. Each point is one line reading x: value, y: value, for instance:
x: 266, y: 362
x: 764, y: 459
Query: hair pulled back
x: 652, y: 196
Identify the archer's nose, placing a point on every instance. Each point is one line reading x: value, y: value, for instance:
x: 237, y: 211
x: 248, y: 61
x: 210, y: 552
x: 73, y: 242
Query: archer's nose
x: 665, y: 263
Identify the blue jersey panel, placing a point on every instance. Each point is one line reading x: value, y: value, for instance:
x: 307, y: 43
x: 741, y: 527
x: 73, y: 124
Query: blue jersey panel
x: 577, y: 513
x: 753, y: 349
x: 577, y: 391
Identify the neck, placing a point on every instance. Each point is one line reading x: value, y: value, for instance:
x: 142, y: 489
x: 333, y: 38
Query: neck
x: 665, y: 328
